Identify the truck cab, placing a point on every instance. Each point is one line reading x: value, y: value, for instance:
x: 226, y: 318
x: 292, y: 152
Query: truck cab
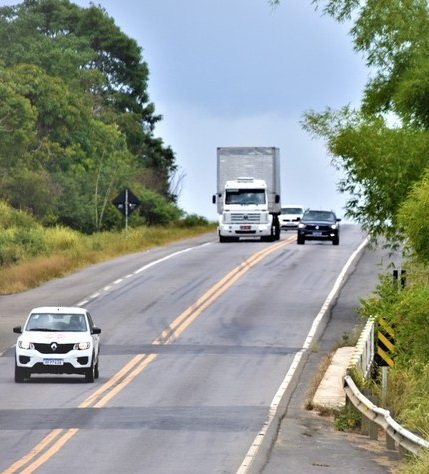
x: 245, y: 211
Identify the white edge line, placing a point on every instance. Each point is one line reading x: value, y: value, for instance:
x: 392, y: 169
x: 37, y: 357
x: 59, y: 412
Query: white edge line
x: 119, y: 280
x: 256, y: 444
x: 163, y: 259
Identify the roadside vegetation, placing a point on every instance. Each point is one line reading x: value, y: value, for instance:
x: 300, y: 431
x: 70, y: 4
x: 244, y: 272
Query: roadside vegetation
x: 382, y: 150
x: 76, y: 121
x: 77, y: 127
x: 31, y: 254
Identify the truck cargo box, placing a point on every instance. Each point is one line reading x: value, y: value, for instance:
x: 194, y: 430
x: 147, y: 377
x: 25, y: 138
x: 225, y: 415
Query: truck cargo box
x: 252, y: 162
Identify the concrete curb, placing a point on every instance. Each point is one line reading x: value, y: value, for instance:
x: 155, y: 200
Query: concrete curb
x: 330, y: 392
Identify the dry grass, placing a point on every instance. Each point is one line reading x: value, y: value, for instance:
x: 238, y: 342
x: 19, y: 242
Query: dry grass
x: 315, y: 381
x: 87, y: 250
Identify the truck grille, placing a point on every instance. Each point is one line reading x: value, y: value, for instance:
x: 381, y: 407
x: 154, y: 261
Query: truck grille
x: 242, y: 218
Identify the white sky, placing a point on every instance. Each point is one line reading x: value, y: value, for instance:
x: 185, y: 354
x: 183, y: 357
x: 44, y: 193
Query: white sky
x: 237, y: 73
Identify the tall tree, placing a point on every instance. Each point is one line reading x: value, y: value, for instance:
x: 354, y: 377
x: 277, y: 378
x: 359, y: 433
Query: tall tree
x: 383, y: 148
x: 82, y: 87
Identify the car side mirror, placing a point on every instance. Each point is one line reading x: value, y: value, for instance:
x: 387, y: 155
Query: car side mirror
x: 17, y: 330
x: 338, y: 220
x: 214, y: 199
x: 95, y: 330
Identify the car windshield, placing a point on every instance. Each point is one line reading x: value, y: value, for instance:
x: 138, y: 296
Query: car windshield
x: 245, y: 196
x: 291, y: 210
x: 56, y: 322
x: 319, y: 216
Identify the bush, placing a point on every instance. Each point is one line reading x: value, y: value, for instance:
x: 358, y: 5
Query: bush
x: 10, y: 217
x: 156, y: 210
x: 192, y: 220
x: 17, y: 243
x: 61, y: 238
x: 348, y: 418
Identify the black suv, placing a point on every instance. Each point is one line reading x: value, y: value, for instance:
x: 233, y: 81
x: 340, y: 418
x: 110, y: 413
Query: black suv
x: 319, y: 225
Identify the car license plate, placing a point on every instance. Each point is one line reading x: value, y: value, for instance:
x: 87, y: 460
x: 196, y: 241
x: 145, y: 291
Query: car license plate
x: 245, y: 227
x: 53, y: 362
x: 317, y: 233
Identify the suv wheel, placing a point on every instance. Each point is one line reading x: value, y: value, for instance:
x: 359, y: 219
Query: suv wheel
x: 300, y: 240
x: 335, y: 240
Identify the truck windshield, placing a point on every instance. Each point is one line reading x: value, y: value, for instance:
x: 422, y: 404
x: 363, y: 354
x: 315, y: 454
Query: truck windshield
x: 245, y: 196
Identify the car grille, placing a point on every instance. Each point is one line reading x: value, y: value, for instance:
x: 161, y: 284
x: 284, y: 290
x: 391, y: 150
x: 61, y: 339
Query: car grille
x: 240, y: 218
x: 51, y: 349
x: 317, y: 227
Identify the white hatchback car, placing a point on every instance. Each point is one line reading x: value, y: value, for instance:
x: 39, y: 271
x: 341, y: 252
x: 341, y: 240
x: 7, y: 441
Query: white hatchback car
x: 57, y: 340
x: 290, y: 216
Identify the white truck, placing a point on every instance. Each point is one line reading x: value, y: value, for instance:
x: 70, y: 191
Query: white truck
x: 248, y: 193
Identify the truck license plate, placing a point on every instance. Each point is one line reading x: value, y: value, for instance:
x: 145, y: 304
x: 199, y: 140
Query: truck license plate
x: 245, y: 227
x: 53, y: 362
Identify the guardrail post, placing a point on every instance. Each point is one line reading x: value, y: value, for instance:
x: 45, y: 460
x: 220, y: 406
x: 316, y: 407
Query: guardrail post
x: 390, y: 442
x: 364, y: 427
x: 373, y: 430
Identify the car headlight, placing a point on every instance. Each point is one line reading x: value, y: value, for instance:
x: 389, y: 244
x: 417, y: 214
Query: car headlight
x: 81, y: 346
x: 333, y: 226
x: 301, y: 226
x: 25, y: 345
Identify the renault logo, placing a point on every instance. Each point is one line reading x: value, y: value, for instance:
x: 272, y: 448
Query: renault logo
x: 54, y: 346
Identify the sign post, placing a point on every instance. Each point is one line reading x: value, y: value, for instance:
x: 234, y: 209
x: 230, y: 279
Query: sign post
x: 126, y: 202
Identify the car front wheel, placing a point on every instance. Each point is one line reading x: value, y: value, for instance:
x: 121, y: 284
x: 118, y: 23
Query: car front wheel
x: 300, y: 240
x: 90, y: 373
x: 20, y: 374
x: 335, y: 240
x: 97, y: 369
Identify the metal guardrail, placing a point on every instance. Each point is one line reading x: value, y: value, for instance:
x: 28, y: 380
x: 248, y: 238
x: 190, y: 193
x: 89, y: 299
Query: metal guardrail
x: 375, y: 416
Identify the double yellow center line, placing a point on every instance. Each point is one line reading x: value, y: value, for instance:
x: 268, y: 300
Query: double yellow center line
x: 57, y: 438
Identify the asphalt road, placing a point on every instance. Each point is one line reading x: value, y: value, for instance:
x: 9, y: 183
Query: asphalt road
x: 308, y: 442
x: 197, y: 339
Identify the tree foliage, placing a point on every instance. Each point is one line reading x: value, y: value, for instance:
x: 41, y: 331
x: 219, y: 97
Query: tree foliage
x: 75, y: 115
x: 382, y: 148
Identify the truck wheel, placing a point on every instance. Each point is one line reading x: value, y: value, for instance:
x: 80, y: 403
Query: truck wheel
x: 277, y: 230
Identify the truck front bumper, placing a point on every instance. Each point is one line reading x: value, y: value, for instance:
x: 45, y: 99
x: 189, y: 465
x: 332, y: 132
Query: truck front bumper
x: 244, y: 230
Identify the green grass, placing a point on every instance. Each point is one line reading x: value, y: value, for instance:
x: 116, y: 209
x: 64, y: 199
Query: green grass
x: 49, y: 253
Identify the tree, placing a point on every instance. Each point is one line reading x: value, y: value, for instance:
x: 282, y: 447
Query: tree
x: 383, y: 147
x: 77, y: 86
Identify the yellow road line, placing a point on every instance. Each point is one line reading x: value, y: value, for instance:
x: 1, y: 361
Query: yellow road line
x: 138, y: 363
x: 34, y: 452
x: 112, y: 381
x: 51, y: 451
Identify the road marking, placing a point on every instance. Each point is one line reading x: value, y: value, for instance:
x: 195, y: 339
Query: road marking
x: 272, y: 412
x: 138, y: 363
x: 51, y: 451
x: 34, y: 452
